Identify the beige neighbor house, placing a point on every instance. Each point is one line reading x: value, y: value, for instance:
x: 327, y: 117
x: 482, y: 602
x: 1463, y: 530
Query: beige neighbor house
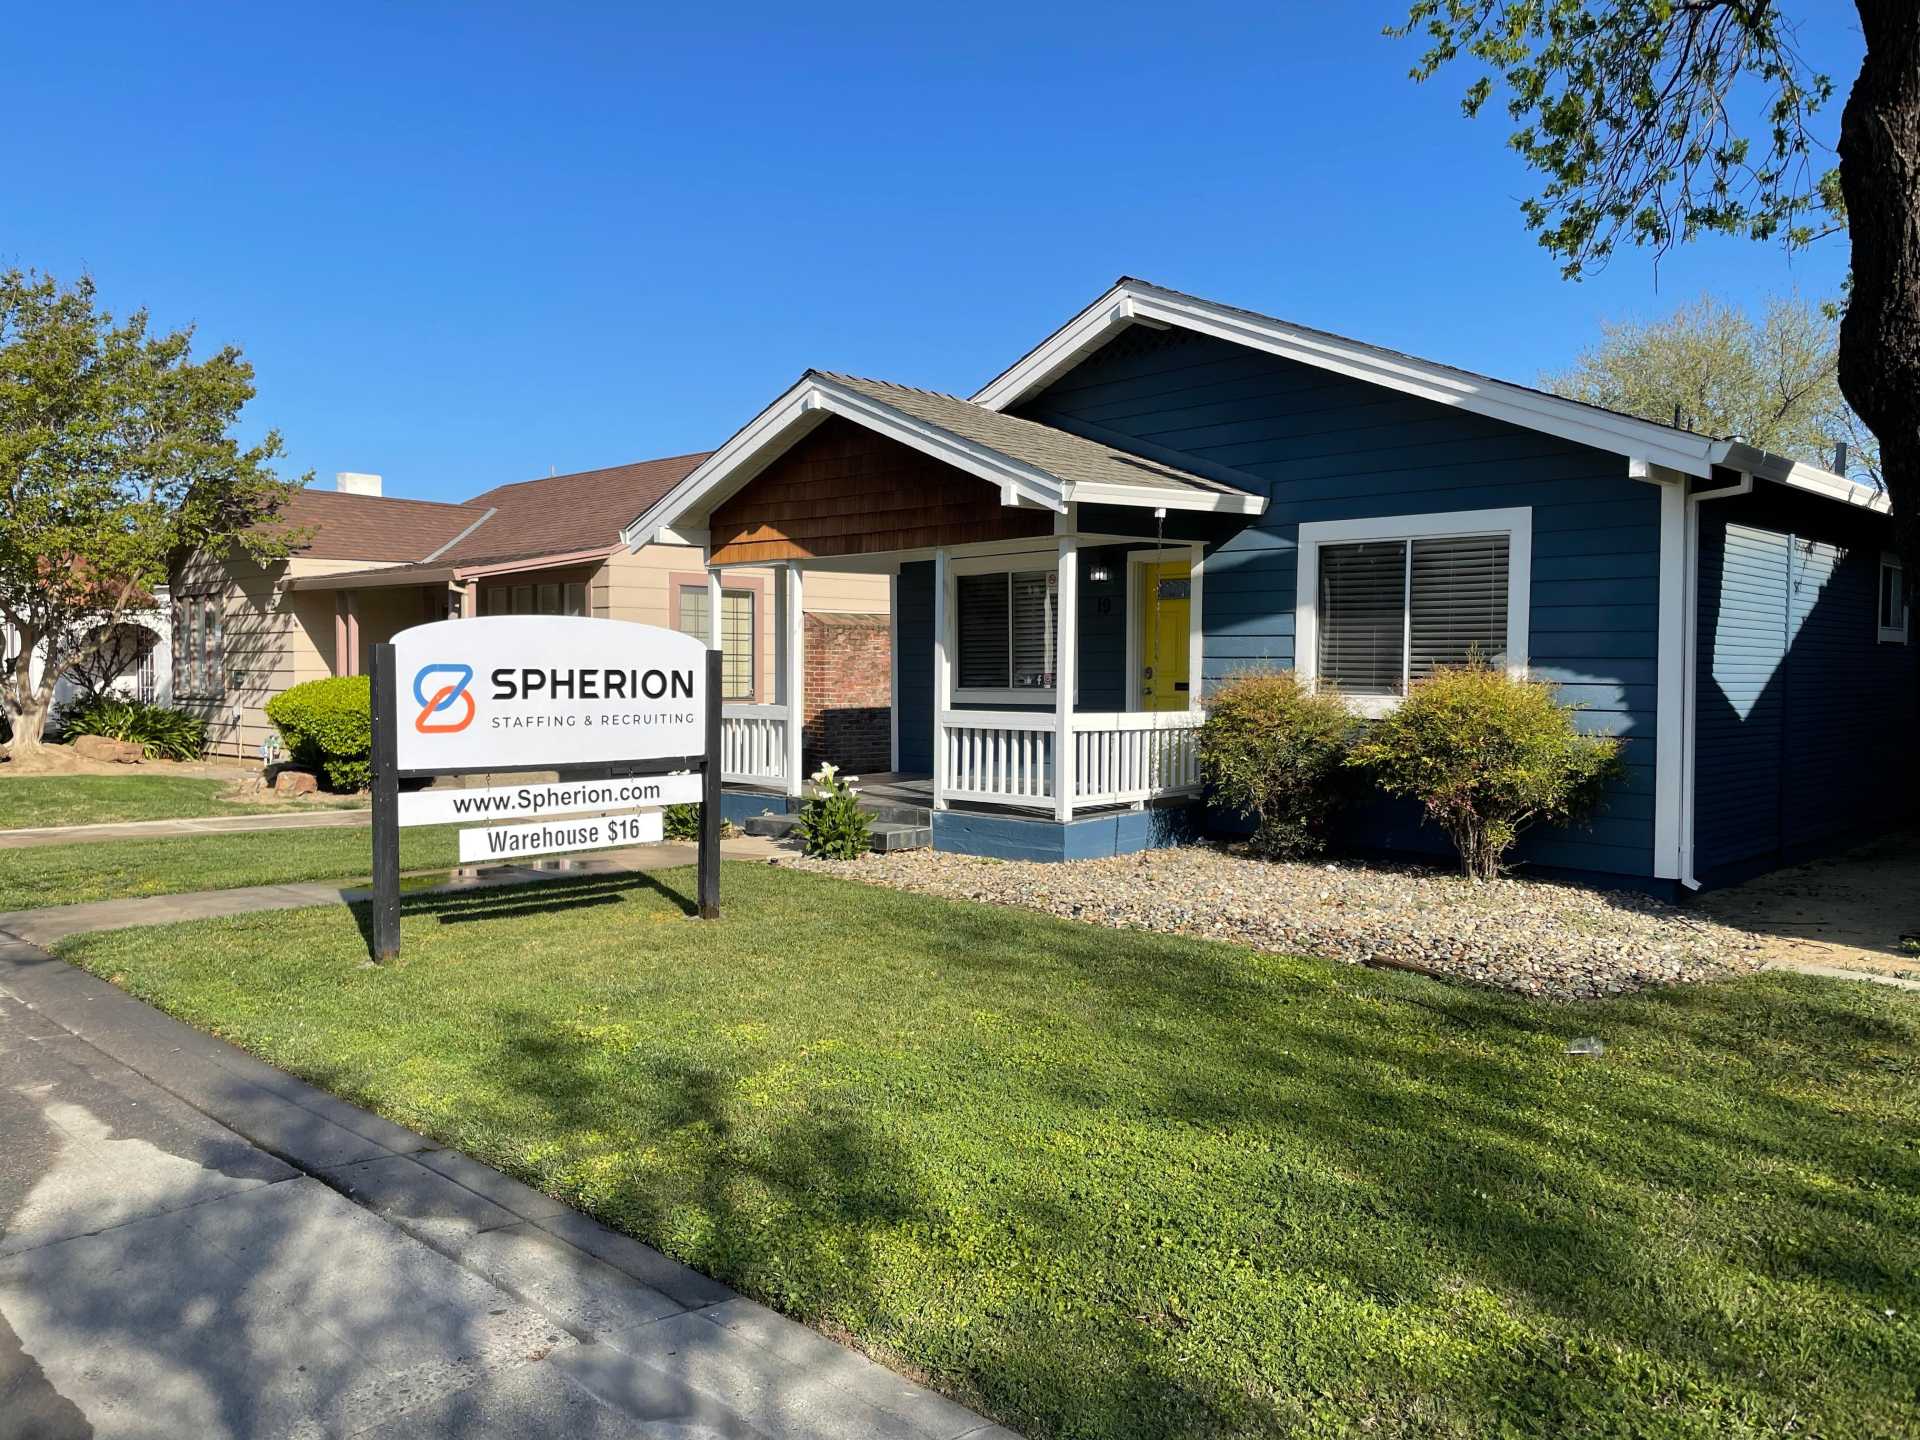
x: 372, y: 565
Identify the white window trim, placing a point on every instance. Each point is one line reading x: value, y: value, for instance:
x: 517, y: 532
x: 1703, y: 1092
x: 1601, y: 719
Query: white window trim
x: 1031, y: 562
x: 1892, y: 634
x: 1515, y: 523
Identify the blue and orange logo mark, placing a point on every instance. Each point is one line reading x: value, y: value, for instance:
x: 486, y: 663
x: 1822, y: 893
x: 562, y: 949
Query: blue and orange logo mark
x: 446, y: 695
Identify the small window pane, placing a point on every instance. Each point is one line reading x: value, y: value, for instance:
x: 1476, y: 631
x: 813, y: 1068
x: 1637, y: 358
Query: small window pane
x: 523, y: 600
x: 1459, y: 602
x: 1035, y: 609
x: 985, y: 646
x: 549, y: 599
x: 576, y: 600
x: 1362, y: 616
x: 692, y: 617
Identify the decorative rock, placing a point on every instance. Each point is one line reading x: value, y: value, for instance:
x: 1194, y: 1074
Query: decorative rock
x: 295, y: 782
x: 113, y: 752
x: 1536, y: 937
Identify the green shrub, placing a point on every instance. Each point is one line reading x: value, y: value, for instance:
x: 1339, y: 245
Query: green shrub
x: 159, y: 730
x: 1488, y: 755
x: 328, y: 727
x: 832, y: 824
x: 681, y: 822
x: 1273, y: 747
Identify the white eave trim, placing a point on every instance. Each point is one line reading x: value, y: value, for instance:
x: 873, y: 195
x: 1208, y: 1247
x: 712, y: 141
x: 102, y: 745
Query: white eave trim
x: 1135, y: 302
x: 811, y: 400
x: 1213, y: 502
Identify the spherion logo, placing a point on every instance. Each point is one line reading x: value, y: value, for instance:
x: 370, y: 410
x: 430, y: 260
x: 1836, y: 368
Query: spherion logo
x: 445, y: 696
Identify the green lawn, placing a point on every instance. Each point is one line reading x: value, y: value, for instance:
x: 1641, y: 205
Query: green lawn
x: 1106, y: 1183
x: 122, y: 869
x: 29, y: 801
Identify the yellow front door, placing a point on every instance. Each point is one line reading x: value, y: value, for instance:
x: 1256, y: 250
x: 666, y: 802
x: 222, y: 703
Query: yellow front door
x: 1165, y: 595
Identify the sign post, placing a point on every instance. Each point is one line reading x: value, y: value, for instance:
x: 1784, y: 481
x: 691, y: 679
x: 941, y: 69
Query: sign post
x: 628, y: 715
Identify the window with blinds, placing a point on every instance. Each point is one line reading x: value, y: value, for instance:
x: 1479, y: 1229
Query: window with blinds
x: 1006, y: 625
x: 1390, y: 611
x: 736, y: 635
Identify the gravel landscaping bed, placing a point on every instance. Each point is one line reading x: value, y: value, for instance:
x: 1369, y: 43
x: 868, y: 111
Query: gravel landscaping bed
x: 1537, y: 937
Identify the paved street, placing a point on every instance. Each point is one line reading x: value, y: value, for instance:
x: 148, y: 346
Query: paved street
x: 195, y: 1245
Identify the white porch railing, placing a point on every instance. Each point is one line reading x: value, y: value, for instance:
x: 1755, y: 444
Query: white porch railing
x: 1006, y: 757
x: 753, y: 744
x: 1135, y: 755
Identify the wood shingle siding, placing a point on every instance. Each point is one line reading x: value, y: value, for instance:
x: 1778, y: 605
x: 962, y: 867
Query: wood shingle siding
x: 1324, y: 447
x: 844, y: 490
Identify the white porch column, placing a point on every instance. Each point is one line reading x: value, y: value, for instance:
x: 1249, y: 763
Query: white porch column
x: 1065, y: 674
x: 1195, y: 629
x: 793, y: 669
x: 714, y: 636
x: 942, y: 670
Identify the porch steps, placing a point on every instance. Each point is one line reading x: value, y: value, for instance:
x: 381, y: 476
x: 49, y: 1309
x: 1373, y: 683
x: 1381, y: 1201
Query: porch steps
x: 895, y: 827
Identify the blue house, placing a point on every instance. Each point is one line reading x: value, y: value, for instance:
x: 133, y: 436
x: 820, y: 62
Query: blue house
x: 1167, y: 490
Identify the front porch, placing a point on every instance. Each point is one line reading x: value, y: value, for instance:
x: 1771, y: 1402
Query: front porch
x: 1046, y: 595
x: 1030, y: 680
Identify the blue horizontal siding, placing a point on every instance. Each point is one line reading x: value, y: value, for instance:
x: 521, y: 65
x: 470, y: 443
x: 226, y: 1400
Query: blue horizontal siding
x: 1324, y: 447
x: 1801, y: 712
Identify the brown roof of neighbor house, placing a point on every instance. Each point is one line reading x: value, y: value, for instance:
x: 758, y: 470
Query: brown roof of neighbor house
x: 565, y: 514
x: 345, y: 526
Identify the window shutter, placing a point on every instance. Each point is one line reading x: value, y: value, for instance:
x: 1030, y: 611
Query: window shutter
x: 1034, y: 604
x: 1459, y: 602
x: 1362, y: 616
x: 984, y: 646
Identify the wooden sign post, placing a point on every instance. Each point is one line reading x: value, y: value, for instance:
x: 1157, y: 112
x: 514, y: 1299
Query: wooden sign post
x: 627, y: 715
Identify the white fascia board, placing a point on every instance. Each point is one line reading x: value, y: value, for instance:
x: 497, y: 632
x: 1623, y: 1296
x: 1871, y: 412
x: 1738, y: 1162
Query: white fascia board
x: 1128, y: 302
x: 804, y: 406
x: 1737, y: 455
x: 1216, y: 502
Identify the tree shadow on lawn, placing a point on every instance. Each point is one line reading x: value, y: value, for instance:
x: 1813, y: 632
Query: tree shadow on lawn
x: 1495, y: 1230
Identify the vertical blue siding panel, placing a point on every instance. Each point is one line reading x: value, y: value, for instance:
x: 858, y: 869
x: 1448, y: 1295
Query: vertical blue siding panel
x: 1802, y: 713
x: 914, y: 628
x: 1324, y: 447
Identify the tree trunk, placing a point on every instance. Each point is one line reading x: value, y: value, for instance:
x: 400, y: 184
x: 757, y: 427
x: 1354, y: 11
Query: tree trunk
x: 1880, y: 177
x: 29, y: 725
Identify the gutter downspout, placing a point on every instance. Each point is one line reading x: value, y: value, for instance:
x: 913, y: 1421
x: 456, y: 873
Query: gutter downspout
x: 1690, y: 709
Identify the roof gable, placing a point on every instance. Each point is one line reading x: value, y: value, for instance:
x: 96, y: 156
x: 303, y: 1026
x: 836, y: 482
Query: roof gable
x: 1132, y: 302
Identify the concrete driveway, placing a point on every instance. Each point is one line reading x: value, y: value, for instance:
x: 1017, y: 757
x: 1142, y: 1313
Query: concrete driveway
x: 195, y: 1245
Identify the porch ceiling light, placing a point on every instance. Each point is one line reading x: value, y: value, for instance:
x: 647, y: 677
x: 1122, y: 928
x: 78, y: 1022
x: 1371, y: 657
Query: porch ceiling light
x: 1099, y: 574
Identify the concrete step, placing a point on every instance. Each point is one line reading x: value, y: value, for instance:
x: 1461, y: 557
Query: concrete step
x: 887, y: 834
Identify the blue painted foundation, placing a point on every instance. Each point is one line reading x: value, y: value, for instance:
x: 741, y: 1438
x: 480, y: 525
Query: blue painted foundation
x: 740, y: 806
x: 1088, y: 837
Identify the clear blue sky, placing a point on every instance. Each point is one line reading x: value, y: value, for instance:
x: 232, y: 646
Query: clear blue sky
x: 467, y: 244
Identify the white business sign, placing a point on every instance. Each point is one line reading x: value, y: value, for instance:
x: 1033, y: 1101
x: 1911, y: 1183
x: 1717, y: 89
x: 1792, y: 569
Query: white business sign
x: 534, y: 691
x: 552, y: 837
x: 529, y: 802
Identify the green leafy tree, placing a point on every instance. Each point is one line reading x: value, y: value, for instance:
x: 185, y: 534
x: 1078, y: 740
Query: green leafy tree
x: 1655, y: 121
x: 1774, y: 381
x: 116, y: 462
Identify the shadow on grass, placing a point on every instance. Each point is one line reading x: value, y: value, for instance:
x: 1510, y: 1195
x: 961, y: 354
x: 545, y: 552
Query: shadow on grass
x: 1109, y: 1183
x: 522, y: 899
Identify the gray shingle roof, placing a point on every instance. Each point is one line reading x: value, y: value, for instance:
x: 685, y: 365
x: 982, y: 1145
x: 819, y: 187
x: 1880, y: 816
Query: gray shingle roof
x: 1058, y: 453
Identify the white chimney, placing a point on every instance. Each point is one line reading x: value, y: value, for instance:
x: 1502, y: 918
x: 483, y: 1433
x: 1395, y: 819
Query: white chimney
x: 350, y: 483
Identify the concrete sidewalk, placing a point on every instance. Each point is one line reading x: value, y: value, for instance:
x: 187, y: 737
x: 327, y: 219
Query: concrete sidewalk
x: 50, y: 924
x: 197, y: 1245
x: 344, y: 815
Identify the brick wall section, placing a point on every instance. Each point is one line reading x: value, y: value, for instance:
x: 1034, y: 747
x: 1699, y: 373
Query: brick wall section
x: 849, y: 689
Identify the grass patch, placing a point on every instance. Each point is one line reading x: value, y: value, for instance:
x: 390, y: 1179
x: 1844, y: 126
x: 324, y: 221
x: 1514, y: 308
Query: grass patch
x: 37, y: 875
x: 1106, y: 1183
x: 30, y: 801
